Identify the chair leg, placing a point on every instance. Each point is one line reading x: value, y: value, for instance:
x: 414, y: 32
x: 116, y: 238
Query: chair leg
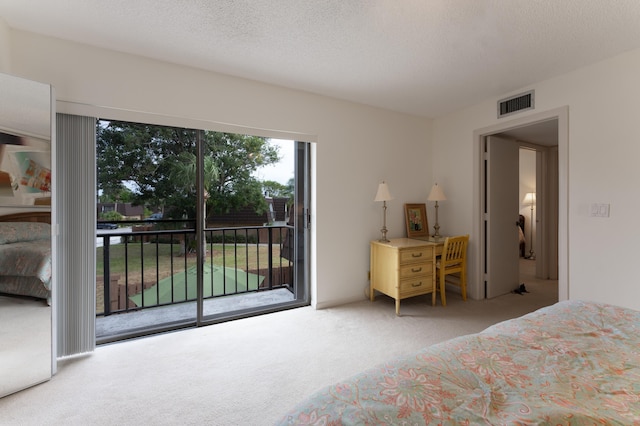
x: 443, y: 298
x: 463, y: 284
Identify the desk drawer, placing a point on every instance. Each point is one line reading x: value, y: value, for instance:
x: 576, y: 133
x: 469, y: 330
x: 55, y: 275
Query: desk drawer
x: 421, y: 254
x: 415, y: 269
x: 416, y: 286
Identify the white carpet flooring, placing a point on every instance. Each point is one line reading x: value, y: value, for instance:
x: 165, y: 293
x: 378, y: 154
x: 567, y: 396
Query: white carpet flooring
x: 250, y: 371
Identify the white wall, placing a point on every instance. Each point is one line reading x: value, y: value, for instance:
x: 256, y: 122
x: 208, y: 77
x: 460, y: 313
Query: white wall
x: 356, y: 146
x: 603, y: 152
x: 5, y: 48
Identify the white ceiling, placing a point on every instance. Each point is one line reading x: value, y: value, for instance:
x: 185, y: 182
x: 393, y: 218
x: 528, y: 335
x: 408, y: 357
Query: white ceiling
x: 422, y: 57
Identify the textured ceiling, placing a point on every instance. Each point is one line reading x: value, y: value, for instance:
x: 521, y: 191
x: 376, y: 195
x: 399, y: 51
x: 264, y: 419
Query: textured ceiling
x: 423, y: 57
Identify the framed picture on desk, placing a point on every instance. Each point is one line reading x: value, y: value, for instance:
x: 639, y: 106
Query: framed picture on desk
x: 416, y: 220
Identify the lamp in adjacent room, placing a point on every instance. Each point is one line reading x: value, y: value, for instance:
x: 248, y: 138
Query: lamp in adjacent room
x: 436, y: 195
x: 383, y: 195
x: 530, y: 200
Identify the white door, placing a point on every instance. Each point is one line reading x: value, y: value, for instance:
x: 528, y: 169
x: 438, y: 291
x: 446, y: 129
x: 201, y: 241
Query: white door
x: 501, y: 219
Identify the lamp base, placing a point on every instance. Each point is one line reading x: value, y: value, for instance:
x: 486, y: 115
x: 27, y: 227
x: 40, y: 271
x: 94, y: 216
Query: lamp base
x: 384, y: 235
x: 436, y: 227
x: 384, y: 223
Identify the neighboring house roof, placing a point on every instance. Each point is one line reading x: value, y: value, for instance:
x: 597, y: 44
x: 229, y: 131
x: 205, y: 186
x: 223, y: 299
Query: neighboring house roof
x: 247, y: 215
x: 125, y: 209
x: 280, y: 208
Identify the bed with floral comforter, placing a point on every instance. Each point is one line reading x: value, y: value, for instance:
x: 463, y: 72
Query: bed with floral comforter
x: 573, y: 363
x: 25, y: 259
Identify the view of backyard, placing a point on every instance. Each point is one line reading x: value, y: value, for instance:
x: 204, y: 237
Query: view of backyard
x: 145, y: 248
x: 134, y: 263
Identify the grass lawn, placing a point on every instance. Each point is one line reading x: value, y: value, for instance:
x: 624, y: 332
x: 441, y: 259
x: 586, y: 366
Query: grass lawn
x: 153, y: 262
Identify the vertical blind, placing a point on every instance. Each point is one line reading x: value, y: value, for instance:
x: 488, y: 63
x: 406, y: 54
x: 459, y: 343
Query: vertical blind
x: 76, y: 215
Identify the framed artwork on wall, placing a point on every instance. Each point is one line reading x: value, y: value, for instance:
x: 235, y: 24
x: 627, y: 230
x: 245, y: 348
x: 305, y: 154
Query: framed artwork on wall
x: 416, y: 220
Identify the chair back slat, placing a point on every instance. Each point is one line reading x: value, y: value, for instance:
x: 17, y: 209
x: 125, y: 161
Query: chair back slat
x: 454, y: 250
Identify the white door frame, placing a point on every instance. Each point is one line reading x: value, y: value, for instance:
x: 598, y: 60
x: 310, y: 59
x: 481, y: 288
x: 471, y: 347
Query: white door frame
x: 546, y: 236
x: 562, y: 115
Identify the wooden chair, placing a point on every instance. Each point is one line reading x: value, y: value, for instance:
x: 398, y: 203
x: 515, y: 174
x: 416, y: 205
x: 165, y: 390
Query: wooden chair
x: 453, y: 261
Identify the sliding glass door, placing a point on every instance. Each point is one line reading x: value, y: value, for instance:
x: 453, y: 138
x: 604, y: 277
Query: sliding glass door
x: 249, y: 269
x: 191, y: 233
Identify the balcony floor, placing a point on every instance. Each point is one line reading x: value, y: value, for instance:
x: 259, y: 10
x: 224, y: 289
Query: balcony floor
x: 119, y: 323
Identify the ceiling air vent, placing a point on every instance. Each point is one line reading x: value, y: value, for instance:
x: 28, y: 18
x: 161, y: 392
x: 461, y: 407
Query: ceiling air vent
x: 521, y: 102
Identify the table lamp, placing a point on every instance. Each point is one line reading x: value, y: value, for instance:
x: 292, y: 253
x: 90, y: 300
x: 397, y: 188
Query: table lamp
x: 384, y: 196
x: 436, y: 195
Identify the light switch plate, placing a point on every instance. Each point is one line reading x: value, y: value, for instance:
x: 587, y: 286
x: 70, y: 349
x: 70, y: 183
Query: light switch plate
x: 599, y: 210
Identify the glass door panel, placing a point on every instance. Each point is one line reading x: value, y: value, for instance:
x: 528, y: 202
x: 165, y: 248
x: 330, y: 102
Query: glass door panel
x: 213, y: 238
x: 253, y: 243
x: 146, y: 228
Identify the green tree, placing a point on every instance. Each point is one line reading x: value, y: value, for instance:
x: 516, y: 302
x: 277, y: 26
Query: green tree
x: 291, y: 186
x: 150, y: 158
x: 183, y: 174
x: 272, y: 188
x: 112, y: 215
x: 121, y: 195
x: 138, y: 154
x: 237, y: 158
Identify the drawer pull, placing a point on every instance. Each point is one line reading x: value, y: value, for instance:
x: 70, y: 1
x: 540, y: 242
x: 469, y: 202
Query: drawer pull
x: 417, y: 284
x: 416, y: 270
x: 416, y: 255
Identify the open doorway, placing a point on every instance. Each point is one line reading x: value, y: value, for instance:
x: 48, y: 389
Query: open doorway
x: 545, y: 135
x: 538, y: 197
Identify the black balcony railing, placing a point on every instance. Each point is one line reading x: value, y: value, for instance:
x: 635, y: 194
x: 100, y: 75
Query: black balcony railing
x: 151, y: 264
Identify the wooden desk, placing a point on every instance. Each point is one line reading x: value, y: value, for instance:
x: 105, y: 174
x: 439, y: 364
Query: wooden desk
x: 439, y: 243
x: 404, y: 267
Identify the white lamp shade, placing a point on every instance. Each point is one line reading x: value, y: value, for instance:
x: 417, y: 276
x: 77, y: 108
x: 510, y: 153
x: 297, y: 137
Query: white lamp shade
x: 383, y: 193
x: 529, y: 199
x: 436, y: 194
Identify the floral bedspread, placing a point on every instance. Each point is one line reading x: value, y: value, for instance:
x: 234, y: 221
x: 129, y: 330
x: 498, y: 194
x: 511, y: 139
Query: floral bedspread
x: 573, y: 363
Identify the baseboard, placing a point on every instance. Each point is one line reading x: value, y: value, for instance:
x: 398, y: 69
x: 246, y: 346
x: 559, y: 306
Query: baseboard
x: 334, y: 303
